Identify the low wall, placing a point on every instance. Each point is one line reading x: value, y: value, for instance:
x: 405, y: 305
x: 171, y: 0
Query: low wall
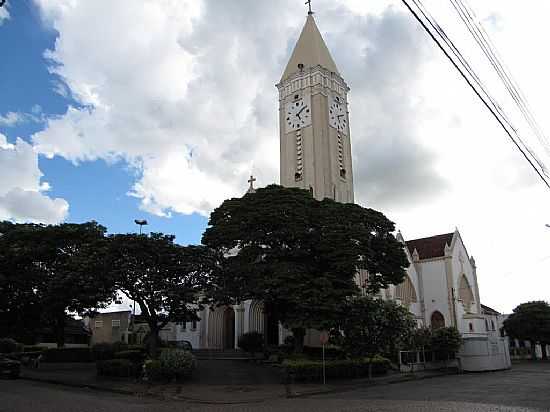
x: 484, y: 353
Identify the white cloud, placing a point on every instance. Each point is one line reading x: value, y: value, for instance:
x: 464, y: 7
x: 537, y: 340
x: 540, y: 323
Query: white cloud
x: 4, y: 13
x: 184, y: 92
x: 21, y: 192
x: 11, y: 118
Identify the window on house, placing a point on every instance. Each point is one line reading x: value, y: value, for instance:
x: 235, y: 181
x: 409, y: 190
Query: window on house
x: 182, y: 325
x: 115, y: 323
x: 492, y: 325
x: 471, y: 327
x: 98, y: 323
x: 194, y: 325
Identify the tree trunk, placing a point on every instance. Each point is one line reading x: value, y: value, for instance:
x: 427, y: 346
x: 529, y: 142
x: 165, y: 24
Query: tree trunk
x: 59, y: 328
x: 153, y: 341
x: 299, y: 334
x: 370, y: 369
x: 533, y: 350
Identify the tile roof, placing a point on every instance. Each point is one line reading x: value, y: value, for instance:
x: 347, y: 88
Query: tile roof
x: 488, y: 310
x: 430, y: 247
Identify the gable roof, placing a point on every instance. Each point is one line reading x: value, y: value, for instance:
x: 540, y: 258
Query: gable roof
x: 310, y: 50
x: 489, y: 311
x: 430, y: 247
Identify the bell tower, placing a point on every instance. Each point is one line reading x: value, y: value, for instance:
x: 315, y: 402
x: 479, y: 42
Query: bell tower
x: 313, y: 121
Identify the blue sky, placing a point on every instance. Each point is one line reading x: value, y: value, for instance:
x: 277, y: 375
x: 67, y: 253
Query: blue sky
x: 94, y: 190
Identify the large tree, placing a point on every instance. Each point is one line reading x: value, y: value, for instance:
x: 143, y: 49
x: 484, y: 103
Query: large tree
x: 530, y: 321
x: 45, y: 267
x: 165, y: 279
x: 370, y: 326
x: 298, y: 255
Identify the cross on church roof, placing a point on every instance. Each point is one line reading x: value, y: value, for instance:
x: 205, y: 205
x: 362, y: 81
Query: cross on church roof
x: 308, y: 2
x: 251, y: 181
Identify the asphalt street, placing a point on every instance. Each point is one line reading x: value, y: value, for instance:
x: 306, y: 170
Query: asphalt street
x: 526, y: 388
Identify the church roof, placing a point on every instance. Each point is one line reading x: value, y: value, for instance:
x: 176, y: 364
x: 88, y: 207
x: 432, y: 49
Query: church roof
x: 430, y: 247
x: 310, y: 50
x: 489, y: 311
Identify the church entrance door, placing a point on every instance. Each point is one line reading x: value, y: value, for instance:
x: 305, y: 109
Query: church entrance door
x: 229, y: 328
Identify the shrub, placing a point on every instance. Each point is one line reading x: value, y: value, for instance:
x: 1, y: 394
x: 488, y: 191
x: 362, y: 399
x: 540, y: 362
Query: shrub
x: 67, y: 355
x: 308, y: 370
x: 135, y: 356
x: 445, y: 342
x: 154, y: 371
x: 118, y: 367
x: 252, y: 342
x: 173, y: 364
x: 330, y: 353
x: 177, y: 363
x: 33, y: 349
x: 8, y: 345
x: 105, y: 350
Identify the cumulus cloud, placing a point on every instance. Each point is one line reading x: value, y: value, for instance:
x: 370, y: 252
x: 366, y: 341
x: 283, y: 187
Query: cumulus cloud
x: 191, y: 103
x: 4, y: 13
x: 22, y: 196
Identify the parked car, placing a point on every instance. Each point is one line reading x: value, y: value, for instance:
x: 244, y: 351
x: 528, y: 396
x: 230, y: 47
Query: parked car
x: 9, y: 367
x: 185, y: 345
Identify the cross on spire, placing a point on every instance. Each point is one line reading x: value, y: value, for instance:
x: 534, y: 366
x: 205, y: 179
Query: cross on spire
x: 308, y: 2
x: 251, y: 181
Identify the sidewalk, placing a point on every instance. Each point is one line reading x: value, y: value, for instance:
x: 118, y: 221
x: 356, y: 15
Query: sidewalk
x: 83, y: 375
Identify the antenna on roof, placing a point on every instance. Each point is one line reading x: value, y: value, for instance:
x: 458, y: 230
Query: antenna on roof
x: 310, y: 12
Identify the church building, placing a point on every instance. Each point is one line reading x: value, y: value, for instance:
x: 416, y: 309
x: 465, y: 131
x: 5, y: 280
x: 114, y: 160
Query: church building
x: 441, y: 286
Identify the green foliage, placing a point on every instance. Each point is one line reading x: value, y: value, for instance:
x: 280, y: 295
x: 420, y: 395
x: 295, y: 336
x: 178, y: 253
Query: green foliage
x: 173, y: 364
x: 118, y: 368
x: 43, y: 276
x: 135, y: 356
x: 8, y: 345
x: 252, y: 342
x: 530, y: 321
x: 165, y: 279
x: 421, y: 338
x: 309, y: 370
x: 446, y: 341
x: 67, y: 355
x: 371, y: 325
x: 299, y: 256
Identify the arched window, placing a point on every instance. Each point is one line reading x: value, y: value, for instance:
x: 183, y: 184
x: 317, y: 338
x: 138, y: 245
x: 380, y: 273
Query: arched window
x: 437, y: 320
x: 465, y: 293
x: 405, y: 292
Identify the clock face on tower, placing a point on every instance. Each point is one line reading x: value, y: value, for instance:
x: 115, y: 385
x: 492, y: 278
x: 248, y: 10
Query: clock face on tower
x: 337, y: 115
x: 297, y: 114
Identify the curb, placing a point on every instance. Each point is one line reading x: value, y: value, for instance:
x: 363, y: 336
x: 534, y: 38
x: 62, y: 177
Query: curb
x: 101, y: 388
x: 347, y: 388
x: 81, y: 385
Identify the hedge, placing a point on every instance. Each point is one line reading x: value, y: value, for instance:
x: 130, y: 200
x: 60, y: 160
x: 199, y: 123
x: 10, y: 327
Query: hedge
x: 104, y: 351
x: 311, y: 370
x: 135, y: 356
x: 118, y: 367
x: 67, y: 355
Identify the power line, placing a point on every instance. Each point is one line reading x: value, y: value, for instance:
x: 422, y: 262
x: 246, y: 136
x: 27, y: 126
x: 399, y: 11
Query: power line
x: 488, y: 101
x: 480, y: 35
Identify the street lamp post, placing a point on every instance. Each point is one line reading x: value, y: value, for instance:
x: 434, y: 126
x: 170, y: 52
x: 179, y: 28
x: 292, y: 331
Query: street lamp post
x: 141, y: 223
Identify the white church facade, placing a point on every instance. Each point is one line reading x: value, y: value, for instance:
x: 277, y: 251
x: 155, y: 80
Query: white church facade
x: 441, y: 286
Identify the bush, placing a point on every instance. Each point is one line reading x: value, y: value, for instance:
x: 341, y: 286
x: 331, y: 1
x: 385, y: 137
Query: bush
x: 118, y: 367
x: 33, y: 349
x: 104, y: 350
x: 308, y: 370
x: 135, y: 356
x: 252, y: 342
x: 173, y: 364
x: 67, y: 355
x: 8, y: 345
x: 330, y: 353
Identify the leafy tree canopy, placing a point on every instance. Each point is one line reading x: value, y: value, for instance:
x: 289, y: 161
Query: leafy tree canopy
x: 42, y: 269
x: 299, y: 256
x: 530, y: 321
x: 165, y: 279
